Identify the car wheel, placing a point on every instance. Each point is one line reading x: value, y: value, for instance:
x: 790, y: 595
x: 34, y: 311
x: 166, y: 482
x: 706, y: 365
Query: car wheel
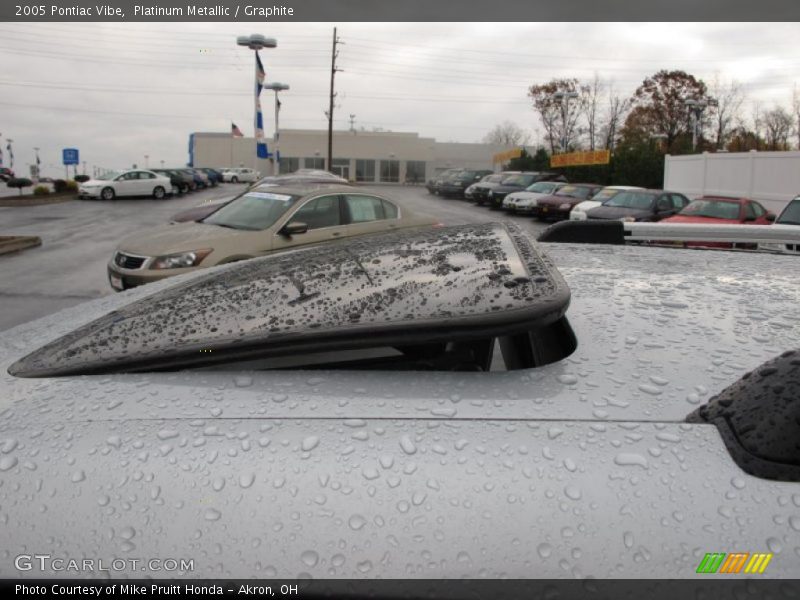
x: 185, y: 188
x: 107, y: 193
x: 159, y: 193
x: 234, y: 180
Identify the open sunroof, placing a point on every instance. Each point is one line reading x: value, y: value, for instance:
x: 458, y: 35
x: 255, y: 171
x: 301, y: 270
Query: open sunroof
x: 401, y: 289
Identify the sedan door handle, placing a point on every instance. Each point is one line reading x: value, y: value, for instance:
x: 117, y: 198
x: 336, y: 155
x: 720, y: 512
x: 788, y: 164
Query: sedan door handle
x: 336, y: 233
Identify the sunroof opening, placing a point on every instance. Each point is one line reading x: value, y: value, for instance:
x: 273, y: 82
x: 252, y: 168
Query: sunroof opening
x: 421, y: 299
x: 522, y: 351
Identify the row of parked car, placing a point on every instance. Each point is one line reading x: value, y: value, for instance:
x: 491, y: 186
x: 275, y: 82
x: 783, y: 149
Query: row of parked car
x: 549, y: 197
x: 159, y: 183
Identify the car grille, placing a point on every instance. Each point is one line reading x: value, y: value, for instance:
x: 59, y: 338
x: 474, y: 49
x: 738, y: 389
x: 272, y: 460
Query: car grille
x: 128, y: 261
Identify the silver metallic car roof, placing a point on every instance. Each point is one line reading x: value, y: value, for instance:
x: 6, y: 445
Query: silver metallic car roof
x: 579, y: 468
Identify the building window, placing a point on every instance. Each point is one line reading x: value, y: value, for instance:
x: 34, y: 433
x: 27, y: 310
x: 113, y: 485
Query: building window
x: 415, y: 171
x: 341, y: 167
x: 289, y: 165
x: 315, y: 163
x: 365, y: 170
x: 390, y: 171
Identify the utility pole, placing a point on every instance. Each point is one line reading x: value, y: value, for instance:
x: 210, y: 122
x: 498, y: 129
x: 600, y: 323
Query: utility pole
x: 352, y: 123
x: 334, y: 54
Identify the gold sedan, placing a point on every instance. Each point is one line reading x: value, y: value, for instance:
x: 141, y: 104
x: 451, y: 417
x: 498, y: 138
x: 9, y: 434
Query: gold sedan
x: 263, y: 219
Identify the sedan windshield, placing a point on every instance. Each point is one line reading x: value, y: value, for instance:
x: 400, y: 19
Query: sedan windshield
x: 493, y: 178
x: 574, y: 191
x: 519, y: 180
x: 635, y: 200
x: 790, y: 214
x: 542, y: 187
x: 715, y: 209
x: 605, y: 194
x: 254, y: 210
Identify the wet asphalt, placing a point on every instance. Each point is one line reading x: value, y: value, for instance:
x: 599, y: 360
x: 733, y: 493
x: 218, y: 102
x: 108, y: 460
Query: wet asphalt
x: 79, y: 237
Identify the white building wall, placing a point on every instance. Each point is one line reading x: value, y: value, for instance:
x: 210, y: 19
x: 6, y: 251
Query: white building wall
x: 772, y: 178
x: 223, y: 150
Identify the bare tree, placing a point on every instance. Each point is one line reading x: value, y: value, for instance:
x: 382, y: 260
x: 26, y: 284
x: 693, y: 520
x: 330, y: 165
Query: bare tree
x: 557, y: 125
x: 507, y: 134
x: 729, y: 98
x: 591, y: 107
x: 758, y: 121
x: 778, y: 125
x: 617, y: 108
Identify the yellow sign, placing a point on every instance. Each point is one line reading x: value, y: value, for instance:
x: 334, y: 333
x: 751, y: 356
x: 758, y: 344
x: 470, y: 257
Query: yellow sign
x: 502, y: 157
x: 574, y: 159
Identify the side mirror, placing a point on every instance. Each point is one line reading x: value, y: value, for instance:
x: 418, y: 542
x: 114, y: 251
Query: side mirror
x: 294, y: 228
x: 770, y: 217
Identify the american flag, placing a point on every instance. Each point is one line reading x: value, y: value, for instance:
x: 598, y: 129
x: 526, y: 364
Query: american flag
x: 235, y: 131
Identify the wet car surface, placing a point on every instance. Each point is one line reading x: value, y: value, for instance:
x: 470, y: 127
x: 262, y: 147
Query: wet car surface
x: 583, y: 467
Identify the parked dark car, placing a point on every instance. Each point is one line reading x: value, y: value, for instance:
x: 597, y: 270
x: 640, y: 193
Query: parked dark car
x: 214, y: 176
x: 455, y: 185
x: 177, y: 180
x: 434, y: 184
x: 188, y: 183
x: 199, y: 181
x: 558, y: 206
x: 479, y: 192
x: 517, y: 183
x: 6, y: 174
x: 640, y: 205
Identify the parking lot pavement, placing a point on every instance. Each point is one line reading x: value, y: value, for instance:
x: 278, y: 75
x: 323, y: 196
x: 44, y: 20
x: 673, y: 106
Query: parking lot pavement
x: 78, y: 238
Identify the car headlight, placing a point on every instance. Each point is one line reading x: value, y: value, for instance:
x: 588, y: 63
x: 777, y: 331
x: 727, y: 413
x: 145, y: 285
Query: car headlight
x: 491, y: 194
x: 565, y: 206
x: 180, y: 260
x: 627, y: 219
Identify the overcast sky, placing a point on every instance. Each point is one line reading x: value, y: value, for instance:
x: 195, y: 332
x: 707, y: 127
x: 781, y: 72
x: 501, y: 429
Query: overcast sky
x: 121, y: 91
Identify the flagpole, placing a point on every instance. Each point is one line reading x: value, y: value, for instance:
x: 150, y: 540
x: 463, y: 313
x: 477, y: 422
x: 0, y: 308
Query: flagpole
x: 255, y: 113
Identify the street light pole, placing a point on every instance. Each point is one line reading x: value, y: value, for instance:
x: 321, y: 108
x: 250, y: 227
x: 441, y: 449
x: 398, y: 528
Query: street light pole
x: 696, y: 109
x: 277, y: 87
x: 564, y: 97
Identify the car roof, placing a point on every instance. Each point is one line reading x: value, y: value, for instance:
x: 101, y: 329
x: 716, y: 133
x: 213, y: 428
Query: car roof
x: 676, y: 287
x: 725, y: 199
x: 305, y: 188
x: 584, y: 467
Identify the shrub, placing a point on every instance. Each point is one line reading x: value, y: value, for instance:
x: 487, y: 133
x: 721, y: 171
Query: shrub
x: 60, y: 185
x: 72, y: 186
x: 19, y: 183
x: 82, y: 178
x: 41, y: 190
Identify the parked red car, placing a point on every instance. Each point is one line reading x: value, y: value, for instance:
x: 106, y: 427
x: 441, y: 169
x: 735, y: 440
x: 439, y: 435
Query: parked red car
x: 558, y: 206
x: 722, y: 210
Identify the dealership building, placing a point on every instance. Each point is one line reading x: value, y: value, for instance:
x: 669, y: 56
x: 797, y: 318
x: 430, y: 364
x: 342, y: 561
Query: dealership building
x: 363, y: 156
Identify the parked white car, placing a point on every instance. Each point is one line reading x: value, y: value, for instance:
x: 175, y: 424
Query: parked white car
x: 241, y: 174
x: 525, y: 200
x: 135, y: 182
x: 579, y: 212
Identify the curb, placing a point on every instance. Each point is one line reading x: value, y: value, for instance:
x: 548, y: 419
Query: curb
x: 18, y: 242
